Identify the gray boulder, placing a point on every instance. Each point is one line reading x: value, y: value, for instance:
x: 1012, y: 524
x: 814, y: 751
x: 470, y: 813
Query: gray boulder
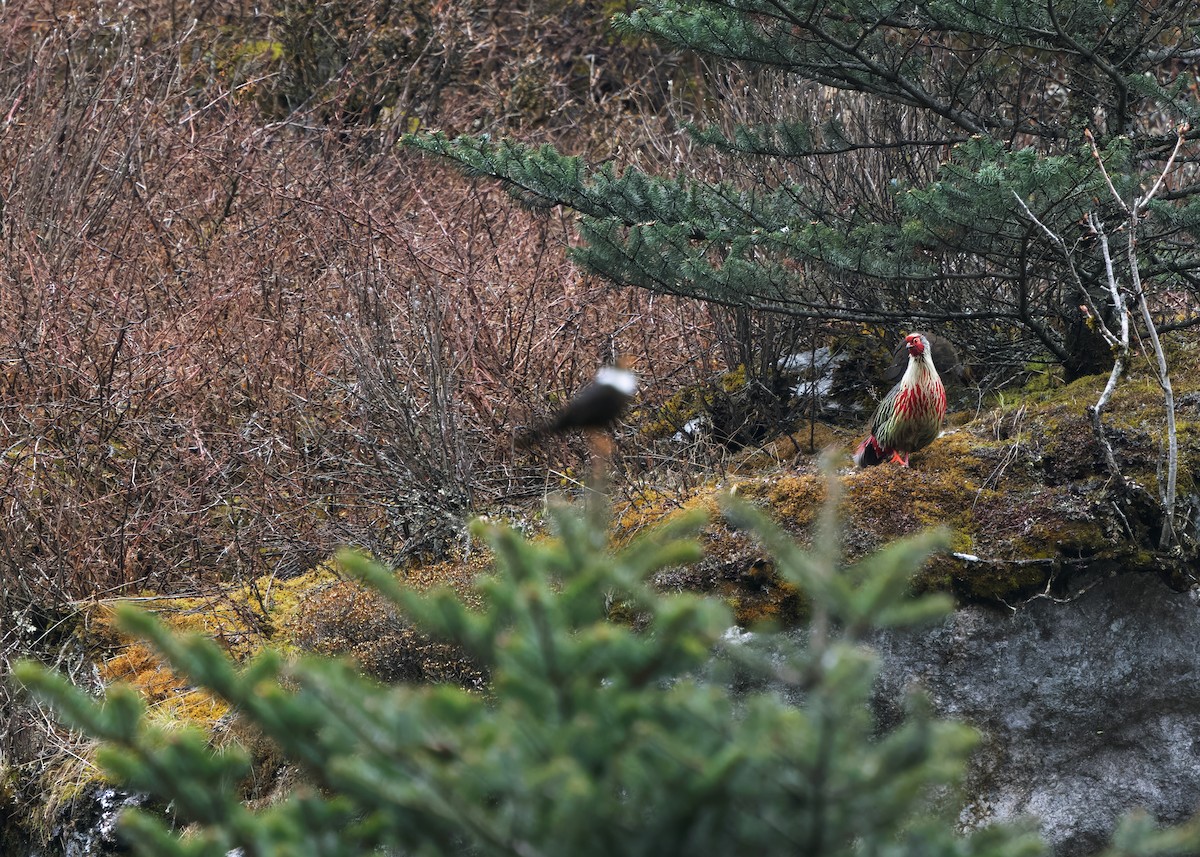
x: 1089, y: 707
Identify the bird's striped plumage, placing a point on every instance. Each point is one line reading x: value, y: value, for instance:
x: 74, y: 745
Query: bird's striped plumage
x: 910, y: 416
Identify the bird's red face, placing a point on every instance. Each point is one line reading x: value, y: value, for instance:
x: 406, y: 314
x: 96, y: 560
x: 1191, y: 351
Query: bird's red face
x: 915, y: 343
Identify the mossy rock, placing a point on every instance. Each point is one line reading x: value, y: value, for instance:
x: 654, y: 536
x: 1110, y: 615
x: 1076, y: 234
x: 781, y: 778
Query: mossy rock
x: 1023, y: 490
x: 986, y: 581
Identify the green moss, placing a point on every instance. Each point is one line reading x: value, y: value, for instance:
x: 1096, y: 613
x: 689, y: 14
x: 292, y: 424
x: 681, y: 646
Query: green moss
x: 990, y: 581
x: 1041, y: 379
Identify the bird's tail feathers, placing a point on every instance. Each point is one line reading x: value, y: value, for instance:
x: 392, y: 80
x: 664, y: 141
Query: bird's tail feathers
x: 868, y: 453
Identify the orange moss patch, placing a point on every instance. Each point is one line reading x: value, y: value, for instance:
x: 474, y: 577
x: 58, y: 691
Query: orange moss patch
x: 267, y: 611
x: 796, y: 498
x: 168, y: 698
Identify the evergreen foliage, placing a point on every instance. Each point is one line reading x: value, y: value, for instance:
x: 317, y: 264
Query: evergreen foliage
x: 594, y: 737
x: 992, y: 107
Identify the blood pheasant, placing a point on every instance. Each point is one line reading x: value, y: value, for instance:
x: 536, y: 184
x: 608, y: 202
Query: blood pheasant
x: 910, y: 416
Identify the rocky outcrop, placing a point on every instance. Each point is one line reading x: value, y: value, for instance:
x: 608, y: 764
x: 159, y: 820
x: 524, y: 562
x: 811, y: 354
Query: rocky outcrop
x: 1089, y: 707
x: 87, y: 827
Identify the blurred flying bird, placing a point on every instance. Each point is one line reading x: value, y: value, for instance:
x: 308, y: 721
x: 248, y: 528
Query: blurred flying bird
x: 596, y: 406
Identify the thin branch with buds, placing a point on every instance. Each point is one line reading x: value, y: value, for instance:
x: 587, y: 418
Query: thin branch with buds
x: 1119, y: 340
x: 1168, y: 537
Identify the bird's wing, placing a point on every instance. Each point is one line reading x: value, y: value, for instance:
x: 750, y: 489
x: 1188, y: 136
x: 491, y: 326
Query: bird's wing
x: 886, y: 411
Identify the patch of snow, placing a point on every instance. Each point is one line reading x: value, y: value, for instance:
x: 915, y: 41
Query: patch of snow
x: 821, y: 358
x: 821, y: 388
x: 690, y: 429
